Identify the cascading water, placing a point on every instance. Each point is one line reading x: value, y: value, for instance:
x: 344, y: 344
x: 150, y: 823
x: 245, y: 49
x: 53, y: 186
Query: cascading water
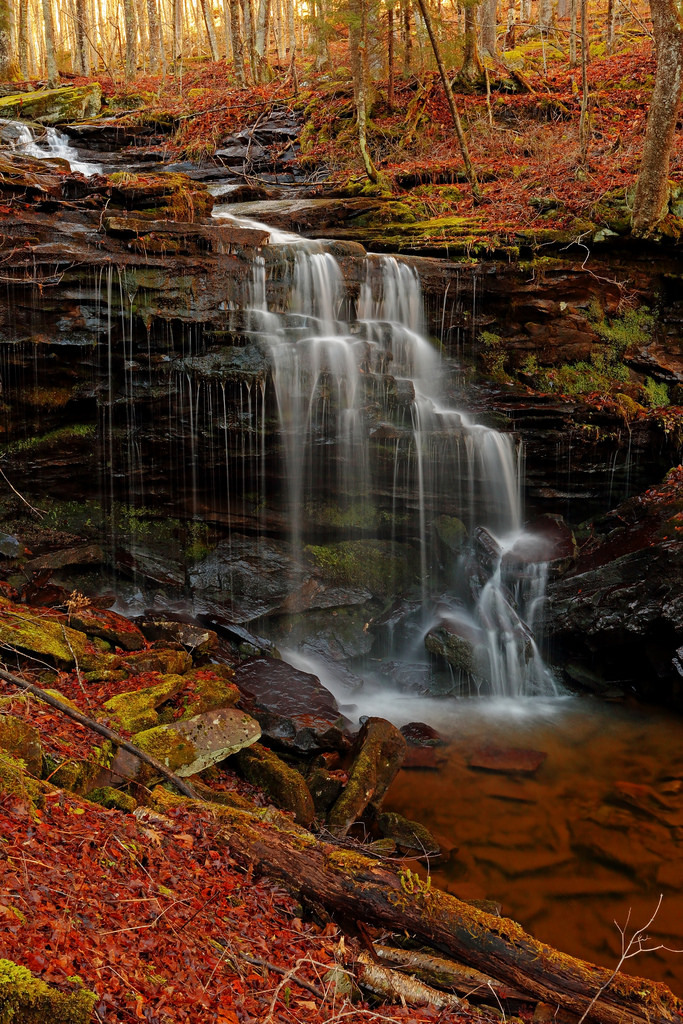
x: 56, y: 146
x: 364, y: 421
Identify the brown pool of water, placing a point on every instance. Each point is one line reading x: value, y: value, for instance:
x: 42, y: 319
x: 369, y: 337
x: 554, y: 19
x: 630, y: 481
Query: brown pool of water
x: 591, y: 837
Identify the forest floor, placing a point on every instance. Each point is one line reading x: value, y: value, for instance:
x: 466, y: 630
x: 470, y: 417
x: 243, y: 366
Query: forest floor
x: 525, y: 144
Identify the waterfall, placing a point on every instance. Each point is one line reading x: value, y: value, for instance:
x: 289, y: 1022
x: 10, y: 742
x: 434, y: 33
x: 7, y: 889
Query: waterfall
x: 54, y: 145
x: 364, y: 421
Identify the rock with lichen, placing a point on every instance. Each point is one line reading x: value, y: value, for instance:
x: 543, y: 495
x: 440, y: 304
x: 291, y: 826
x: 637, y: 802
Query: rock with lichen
x: 378, y: 752
x: 137, y: 709
x: 284, y: 785
x: 22, y: 740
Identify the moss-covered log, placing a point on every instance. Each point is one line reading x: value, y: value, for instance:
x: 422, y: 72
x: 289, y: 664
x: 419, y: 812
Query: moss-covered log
x: 358, y: 887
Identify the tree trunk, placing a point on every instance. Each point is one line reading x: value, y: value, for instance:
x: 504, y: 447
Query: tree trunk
x: 511, y: 29
x: 584, y: 126
x: 260, y: 44
x: 457, y: 124
x: 227, y: 30
x: 82, y: 48
x: 50, y: 56
x: 24, y: 39
x: 359, y: 68
x: 572, y: 33
x: 391, y: 99
x: 652, y: 189
x: 471, y: 64
x: 131, y: 39
x: 359, y: 888
x: 207, y: 13
x: 407, y: 40
x: 248, y: 23
x: 154, y: 37
x: 177, y: 38
x: 237, y: 42
x: 5, y: 40
x: 545, y: 16
x: 489, y: 24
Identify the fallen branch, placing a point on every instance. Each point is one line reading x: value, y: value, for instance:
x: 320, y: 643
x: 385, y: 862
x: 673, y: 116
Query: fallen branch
x: 434, y: 970
x: 101, y: 730
x: 355, y: 886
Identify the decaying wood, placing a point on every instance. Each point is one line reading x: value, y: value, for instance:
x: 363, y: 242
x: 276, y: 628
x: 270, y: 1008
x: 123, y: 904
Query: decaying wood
x: 100, y: 729
x: 357, y: 887
x: 401, y: 987
x: 435, y: 970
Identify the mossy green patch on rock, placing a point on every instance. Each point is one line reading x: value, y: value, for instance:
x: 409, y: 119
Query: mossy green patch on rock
x: 379, y: 751
x: 27, y: 630
x: 172, y: 196
x: 166, y: 660
x: 136, y: 710
x: 383, y: 568
x: 212, y: 688
x: 114, y: 799
x: 25, y: 999
x: 14, y: 781
x: 22, y: 740
x: 283, y: 784
x: 54, y: 106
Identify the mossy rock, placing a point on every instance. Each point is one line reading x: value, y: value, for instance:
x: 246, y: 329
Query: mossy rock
x: 283, y: 784
x: 137, y: 709
x: 22, y: 740
x: 379, y: 751
x: 171, y: 196
x: 109, y: 626
x: 452, y: 532
x: 188, y: 747
x: 459, y: 651
x: 14, y: 781
x: 23, y: 628
x: 614, y: 209
x: 212, y: 688
x: 78, y: 774
x: 406, y: 833
x: 54, y: 106
x: 26, y: 999
x: 383, y: 568
x: 166, y: 660
x: 113, y: 799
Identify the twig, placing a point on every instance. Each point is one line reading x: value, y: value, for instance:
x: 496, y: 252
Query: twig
x: 38, y: 511
x: 256, y: 961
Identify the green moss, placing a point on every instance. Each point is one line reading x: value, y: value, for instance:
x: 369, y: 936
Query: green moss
x: 113, y: 799
x: 136, y: 710
x: 54, y: 106
x: 284, y: 785
x: 213, y: 689
x: 77, y: 431
x: 378, y: 566
x: 37, y: 634
x: 167, y: 746
x: 26, y: 999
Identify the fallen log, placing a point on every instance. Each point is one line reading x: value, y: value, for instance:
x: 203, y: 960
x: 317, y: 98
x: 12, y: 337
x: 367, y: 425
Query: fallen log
x: 355, y: 887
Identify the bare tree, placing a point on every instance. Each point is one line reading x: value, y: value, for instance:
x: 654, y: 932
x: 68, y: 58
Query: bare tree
x: 50, y: 56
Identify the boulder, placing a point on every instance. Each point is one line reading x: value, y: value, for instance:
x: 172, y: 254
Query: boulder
x: 324, y: 786
x: 293, y: 708
x: 205, y: 689
x: 456, y: 641
x: 27, y: 998
x: 284, y: 785
x: 378, y: 753
x: 25, y: 629
x: 82, y: 554
x: 54, y: 106
x: 107, y: 625
x: 188, y: 747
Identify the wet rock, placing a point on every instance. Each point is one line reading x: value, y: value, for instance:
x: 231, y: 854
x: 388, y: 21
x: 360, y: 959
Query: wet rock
x: 419, y: 734
x: 509, y: 760
x: 22, y: 740
x: 10, y: 547
x: 249, y: 363
x: 324, y: 786
x: 408, y: 834
x: 137, y: 710
x: 284, y: 785
x: 197, y: 640
x: 294, y: 709
x: 546, y: 539
x: 107, y: 625
x: 249, y: 581
x: 187, y: 748
x: 381, y: 568
x: 455, y: 641
x: 165, y: 660
x: 83, y: 554
x: 334, y: 636
x: 378, y: 753
x: 175, y: 197
x: 239, y: 635
x: 452, y: 532
x: 54, y: 106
